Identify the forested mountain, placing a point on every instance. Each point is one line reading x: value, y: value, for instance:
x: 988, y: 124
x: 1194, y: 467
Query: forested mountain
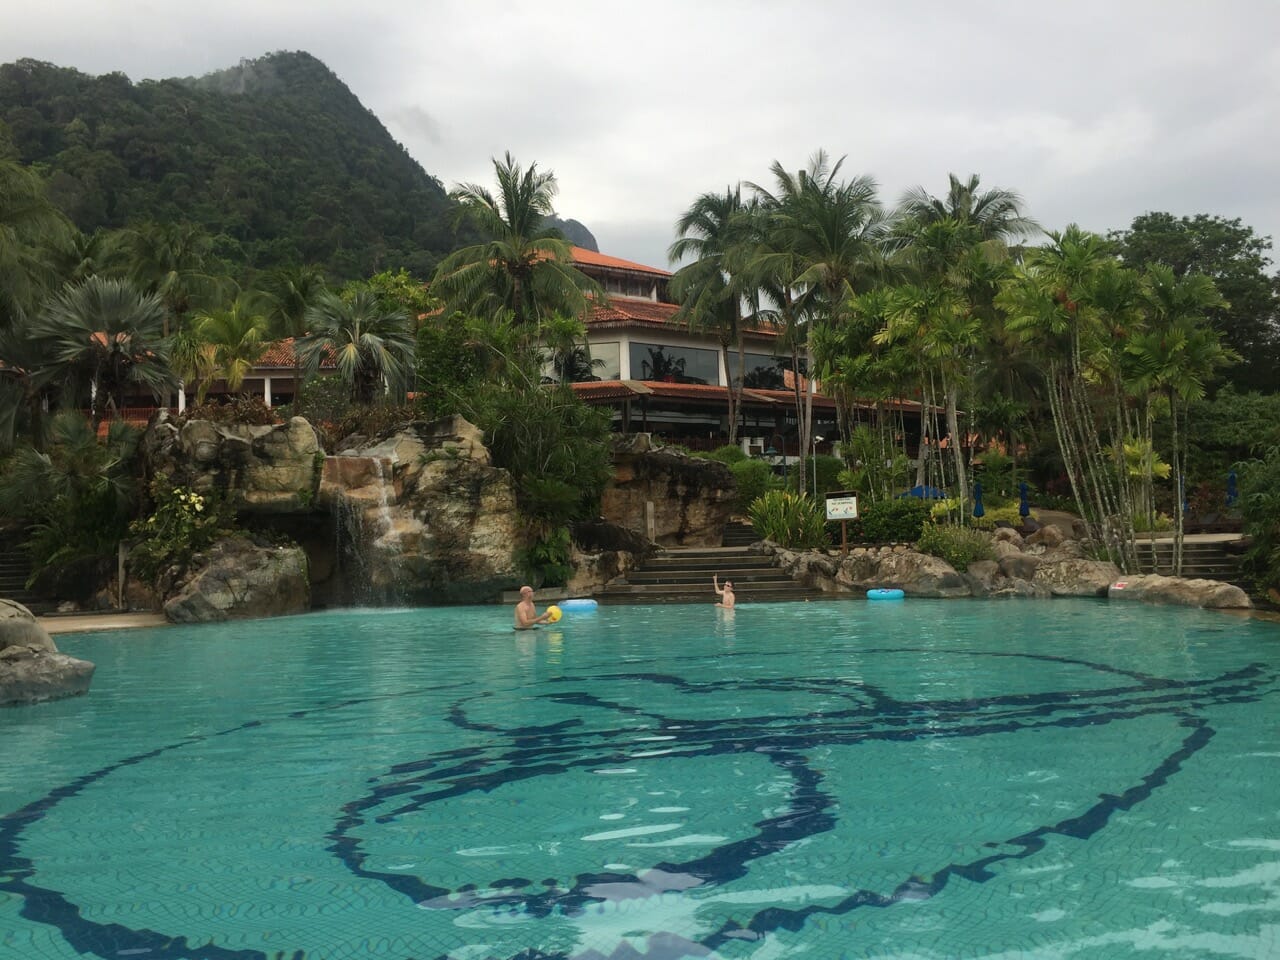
x: 276, y: 158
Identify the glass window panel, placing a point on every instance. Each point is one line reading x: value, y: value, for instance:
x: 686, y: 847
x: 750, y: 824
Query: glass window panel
x: 674, y: 364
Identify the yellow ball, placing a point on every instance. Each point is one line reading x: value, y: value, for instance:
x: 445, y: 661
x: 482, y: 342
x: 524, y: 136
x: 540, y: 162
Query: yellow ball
x: 555, y: 613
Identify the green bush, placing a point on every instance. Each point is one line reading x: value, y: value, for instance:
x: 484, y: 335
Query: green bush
x: 237, y: 409
x: 1260, y: 508
x: 892, y: 521
x: 548, y: 560
x: 181, y: 524
x: 755, y: 478
x: 76, y: 497
x: 790, y: 520
x: 829, y: 475
x: 729, y: 453
x: 959, y: 546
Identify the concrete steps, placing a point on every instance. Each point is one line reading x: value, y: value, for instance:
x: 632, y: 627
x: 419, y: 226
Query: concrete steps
x: 684, y: 576
x: 738, y: 534
x: 15, y: 569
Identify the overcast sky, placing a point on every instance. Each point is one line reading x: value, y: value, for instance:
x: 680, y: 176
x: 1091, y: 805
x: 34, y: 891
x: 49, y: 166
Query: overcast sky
x: 1094, y: 112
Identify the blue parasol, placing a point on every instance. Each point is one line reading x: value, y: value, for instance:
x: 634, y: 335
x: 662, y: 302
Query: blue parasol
x: 978, y: 511
x: 1024, y: 508
x: 1233, y: 491
x: 924, y: 493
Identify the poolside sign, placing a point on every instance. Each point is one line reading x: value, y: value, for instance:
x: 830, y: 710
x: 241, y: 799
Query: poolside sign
x: 842, y: 505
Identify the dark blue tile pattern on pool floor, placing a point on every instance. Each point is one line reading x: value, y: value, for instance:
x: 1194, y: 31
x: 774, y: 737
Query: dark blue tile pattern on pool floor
x: 513, y: 755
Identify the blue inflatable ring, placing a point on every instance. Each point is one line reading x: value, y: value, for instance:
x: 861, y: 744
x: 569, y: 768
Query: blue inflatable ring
x: 881, y: 593
x: 577, y: 604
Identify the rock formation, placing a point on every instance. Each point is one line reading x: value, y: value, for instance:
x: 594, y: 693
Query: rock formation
x: 1049, y: 563
x: 31, y: 668
x: 237, y: 579
x: 268, y: 469
x: 1153, y: 588
x: 425, y: 516
x: 692, y: 497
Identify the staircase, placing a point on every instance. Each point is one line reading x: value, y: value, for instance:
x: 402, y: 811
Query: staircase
x: 1206, y: 560
x: 684, y: 576
x: 15, y: 568
x: 738, y: 534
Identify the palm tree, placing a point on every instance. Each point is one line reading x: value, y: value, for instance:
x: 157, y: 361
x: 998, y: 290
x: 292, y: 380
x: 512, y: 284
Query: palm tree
x: 819, y: 244
x: 523, y: 267
x: 565, y: 338
x: 957, y: 246
x: 1072, y: 304
x: 995, y: 214
x: 715, y: 231
x: 371, y: 343
x: 171, y: 261
x: 290, y: 291
x: 29, y: 224
x: 101, y: 336
x: 233, y: 341
x: 1178, y: 354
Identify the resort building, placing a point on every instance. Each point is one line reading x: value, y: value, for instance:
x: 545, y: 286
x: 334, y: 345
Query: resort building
x: 660, y: 377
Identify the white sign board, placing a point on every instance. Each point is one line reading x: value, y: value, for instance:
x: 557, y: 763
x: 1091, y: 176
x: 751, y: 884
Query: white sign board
x: 842, y: 505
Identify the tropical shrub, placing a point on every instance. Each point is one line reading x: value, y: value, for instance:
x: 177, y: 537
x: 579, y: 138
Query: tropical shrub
x: 446, y: 363
x: 829, y: 471
x: 755, y: 478
x: 1260, y: 508
x: 237, y: 409
x: 76, y: 497
x: 959, y: 546
x: 789, y: 519
x: 892, y: 521
x: 548, y: 560
x: 1008, y: 513
x: 181, y: 524
x: 730, y: 453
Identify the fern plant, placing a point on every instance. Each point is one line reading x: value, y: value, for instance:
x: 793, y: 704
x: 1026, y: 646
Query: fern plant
x: 790, y: 520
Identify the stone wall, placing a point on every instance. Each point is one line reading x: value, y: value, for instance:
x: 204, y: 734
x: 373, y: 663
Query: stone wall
x: 692, y: 498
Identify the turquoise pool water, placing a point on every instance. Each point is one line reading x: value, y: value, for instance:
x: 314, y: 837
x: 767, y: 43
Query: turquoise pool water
x: 1063, y: 779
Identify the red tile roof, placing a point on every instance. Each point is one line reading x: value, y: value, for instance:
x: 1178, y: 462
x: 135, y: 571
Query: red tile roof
x: 590, y: 258
x: 280, y: 355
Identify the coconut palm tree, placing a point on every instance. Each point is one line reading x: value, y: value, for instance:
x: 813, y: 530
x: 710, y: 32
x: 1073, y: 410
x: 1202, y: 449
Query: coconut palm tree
x: 371, y: 343
x: 101, y: 336
x: 715, y: 231
x: 994, y: 214
x: 523, y: 266
x: 232, y: 342
x: 819, y: 245
x: 29, y: 224
x: 170, y: 260
x: 290, y: 291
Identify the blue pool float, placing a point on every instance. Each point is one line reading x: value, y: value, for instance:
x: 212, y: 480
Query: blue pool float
x: 577, y: 605
x: 885, y: 593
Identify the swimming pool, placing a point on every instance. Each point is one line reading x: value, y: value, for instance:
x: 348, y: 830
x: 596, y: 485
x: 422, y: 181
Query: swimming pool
x: 848, y: 779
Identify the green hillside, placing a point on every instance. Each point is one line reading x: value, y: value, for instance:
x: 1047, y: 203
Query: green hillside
x: 276, y: 157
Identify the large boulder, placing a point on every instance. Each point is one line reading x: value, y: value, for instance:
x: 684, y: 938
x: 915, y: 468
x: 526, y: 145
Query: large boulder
x: 1076, y: 578
x: 237, y: 579
x: 692, y: 497
x: 31, y: 668
x: 915, y: 574
x: 271, y: 469
x: 425, y: 515
x: 1153, y: 588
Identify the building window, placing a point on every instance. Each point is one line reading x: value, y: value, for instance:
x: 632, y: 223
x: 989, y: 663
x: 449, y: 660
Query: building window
x: 587, y: 362
x: 674, y: 364
x: 762, y: 371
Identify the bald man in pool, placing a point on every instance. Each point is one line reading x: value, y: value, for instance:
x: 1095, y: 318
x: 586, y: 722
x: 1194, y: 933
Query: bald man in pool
x: 526, y: 613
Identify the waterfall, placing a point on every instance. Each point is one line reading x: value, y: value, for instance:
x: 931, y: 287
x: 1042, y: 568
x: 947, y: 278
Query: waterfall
x: 367, y: 541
